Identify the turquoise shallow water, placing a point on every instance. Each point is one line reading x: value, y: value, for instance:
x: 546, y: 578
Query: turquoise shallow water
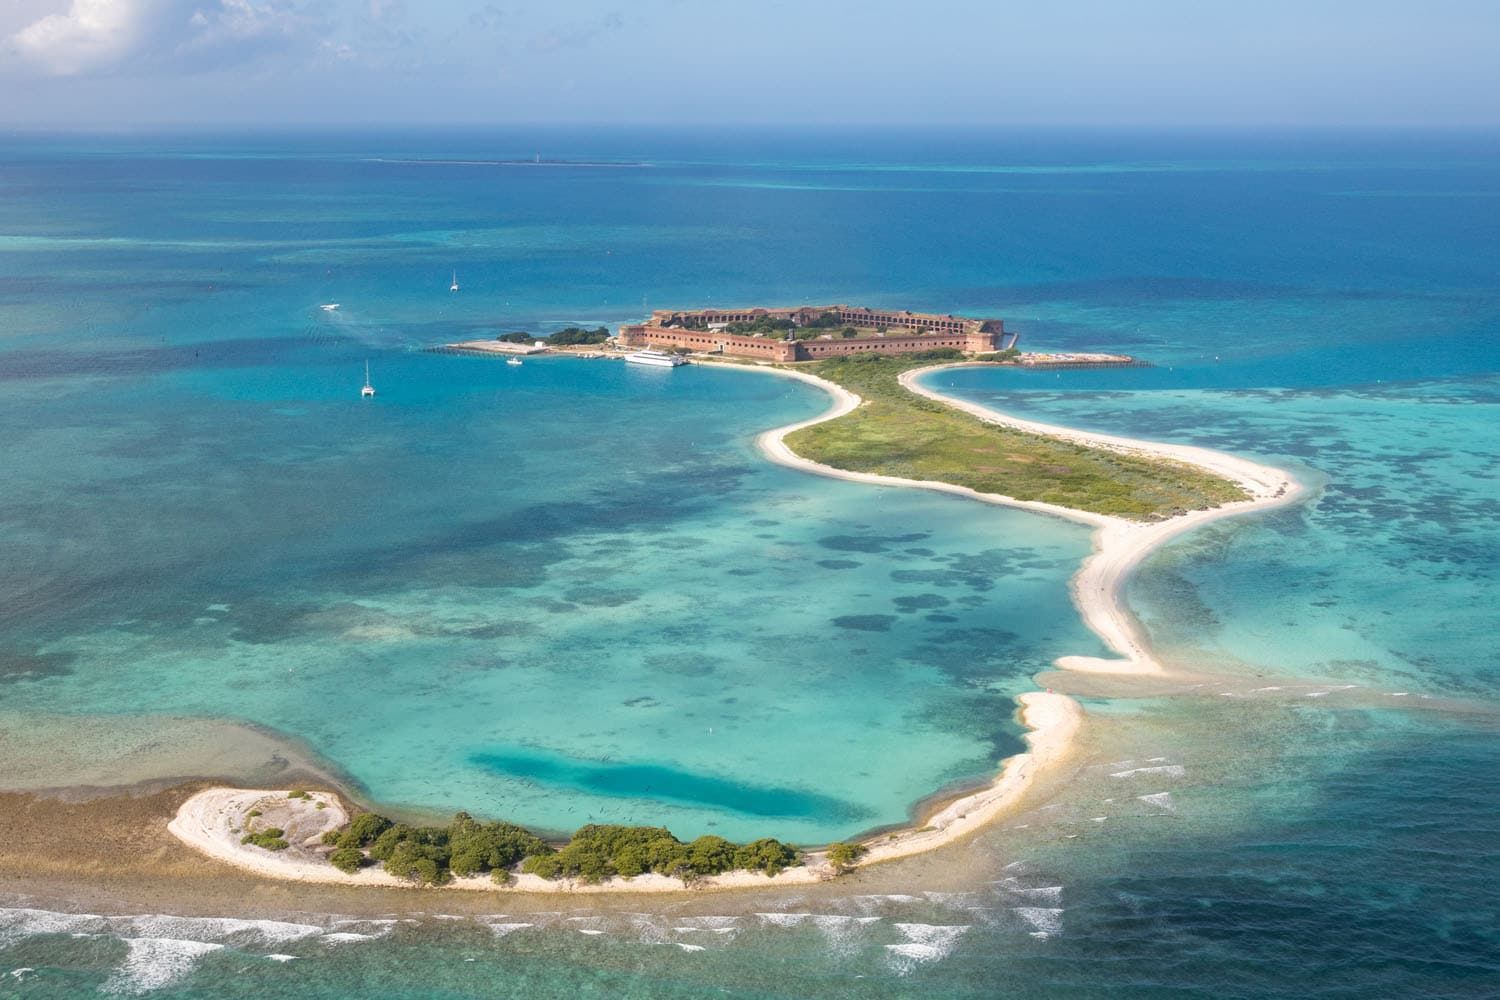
x: 539, y: 589
x: 563, y: 593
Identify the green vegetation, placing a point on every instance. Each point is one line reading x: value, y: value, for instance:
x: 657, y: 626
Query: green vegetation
x: 432, y: 855
x: 779, y: 329
x: 844, y: 856
x: 297, y: 793
x: 898, y: 433
x: 575, y: 335
x: 764, y: 325
x: 597, y: 851
x: 570, y: 336
x: 271, y: 838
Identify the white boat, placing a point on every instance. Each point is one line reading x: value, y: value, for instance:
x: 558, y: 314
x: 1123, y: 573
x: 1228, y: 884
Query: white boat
x: 513, y: 361
x: 368, y: 390
x: 454, y: 287
x: 329, y: 307
x: 656, y: 359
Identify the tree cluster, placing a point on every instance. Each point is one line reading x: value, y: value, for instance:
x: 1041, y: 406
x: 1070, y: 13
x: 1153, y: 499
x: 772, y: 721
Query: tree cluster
x: 598, y: 851
x: 430, y: 855
x: 575, y: 335
x: 570, y: 336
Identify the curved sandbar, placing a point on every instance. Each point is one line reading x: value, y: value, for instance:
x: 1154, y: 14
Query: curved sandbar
x: 1119, y: 544
x: 214, y: 820
x: 211, y: 820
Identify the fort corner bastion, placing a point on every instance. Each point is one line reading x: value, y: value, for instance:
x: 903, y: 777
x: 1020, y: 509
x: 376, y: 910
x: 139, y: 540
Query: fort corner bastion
x: 811, y: 333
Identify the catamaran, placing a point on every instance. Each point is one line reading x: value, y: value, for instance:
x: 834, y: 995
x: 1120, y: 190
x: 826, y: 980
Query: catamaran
x: 656, y: 359
x: 368, y: 390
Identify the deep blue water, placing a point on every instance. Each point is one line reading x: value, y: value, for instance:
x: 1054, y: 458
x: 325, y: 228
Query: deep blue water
x: 207, y: 523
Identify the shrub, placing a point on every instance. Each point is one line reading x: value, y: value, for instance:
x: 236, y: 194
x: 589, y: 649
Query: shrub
x: 545, y: 865
x: 271, y: 838
x: 766, y: 855
x: 844, y: 856
x: 518, y: 337
x: 710, y: 855
x: 363, y: 829
x: 577, y: 335
x: 332, y: 837
x: 424, y: 864
x: 347, y: 859
x: 631, y: 861
x: 297, y: 793
x: 478, y: 847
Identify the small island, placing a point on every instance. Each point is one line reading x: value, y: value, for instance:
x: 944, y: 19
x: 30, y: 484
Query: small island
x: 884, y: 428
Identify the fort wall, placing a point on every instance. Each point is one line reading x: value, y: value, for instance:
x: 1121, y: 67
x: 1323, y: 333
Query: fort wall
x: 694, y: 331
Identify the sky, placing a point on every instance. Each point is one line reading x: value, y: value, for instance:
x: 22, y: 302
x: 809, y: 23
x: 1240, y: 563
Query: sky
x: 1158, y: 63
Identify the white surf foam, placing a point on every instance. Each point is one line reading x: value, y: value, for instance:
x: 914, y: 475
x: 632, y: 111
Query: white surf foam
x: 1171, y: 770
x: 500, y: 930
x: 345, y: 937
x: 1162, y: 800
x: 23, y: 922
x: 1037, y: 893
x: 785, y: 919
x: 925, y: 943
x: 710, y: 922
x: 843, y: 932
x: 213, y: 929
x: 936, y: 935
x: 367, y: 929
x: 152, y: 963
x: 689, y: 947
x: 282, y: 958
x: 1044, y: 920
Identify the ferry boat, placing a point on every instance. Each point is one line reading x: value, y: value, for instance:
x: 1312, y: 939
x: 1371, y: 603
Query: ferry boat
x: 368, y: 390
x: 656, y: 359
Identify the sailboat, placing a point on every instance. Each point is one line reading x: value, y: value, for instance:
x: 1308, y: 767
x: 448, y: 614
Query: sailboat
x: 369, y: 390
x: 454, y: 287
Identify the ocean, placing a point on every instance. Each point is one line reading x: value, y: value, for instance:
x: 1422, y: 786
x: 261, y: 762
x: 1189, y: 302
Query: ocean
x: 573, y: 592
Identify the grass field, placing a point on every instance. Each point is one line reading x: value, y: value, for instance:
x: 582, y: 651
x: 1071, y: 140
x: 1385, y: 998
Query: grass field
x: 897, y: 433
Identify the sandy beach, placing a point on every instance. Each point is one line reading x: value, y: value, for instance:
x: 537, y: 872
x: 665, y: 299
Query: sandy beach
x: 211, y: 820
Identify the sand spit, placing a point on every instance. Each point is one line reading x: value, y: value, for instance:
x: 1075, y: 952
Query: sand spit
x: 1119, y: 544
x: 212, y: 820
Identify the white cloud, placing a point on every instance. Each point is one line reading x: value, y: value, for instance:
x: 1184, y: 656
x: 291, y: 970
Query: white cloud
x: 92, y: 33
x: 103, y: 36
